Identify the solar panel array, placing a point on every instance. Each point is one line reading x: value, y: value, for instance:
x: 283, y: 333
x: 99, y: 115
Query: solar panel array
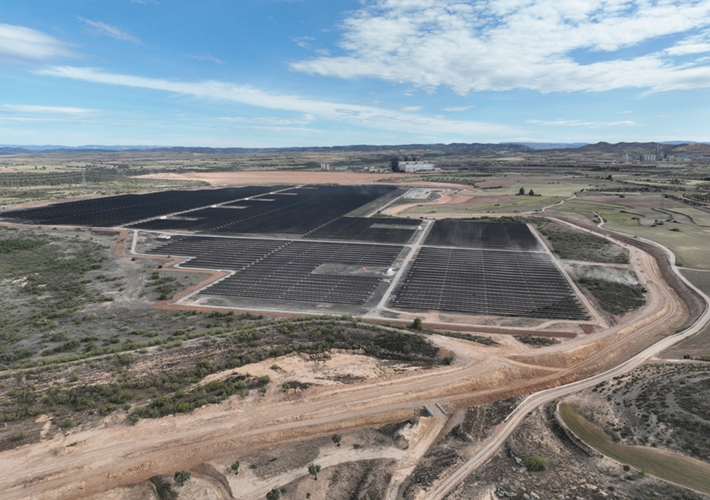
x: 482, y: 234
x: 284, y: 269
x: 293, y: 212
x: 120, y: 210
x: 387, y: 230
x: 490, y: 268
x: 488, y: 282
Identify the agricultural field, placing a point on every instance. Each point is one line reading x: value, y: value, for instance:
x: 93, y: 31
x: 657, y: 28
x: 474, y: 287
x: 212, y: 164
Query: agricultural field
x: 655, y: 419
x: 637, y: 215
x: 673, y: 467
x: 487, y: 205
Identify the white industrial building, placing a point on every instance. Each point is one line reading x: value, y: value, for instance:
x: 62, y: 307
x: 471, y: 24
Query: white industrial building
x: 415, y: 166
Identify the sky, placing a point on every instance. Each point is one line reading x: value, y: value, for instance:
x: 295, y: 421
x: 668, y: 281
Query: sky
x: 283, y: 73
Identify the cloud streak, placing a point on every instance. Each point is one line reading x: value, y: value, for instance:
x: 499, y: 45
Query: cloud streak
x: 581, y: 123
x: 368, y: 116
x: 501, y: 45
x: 205, y: 57
x: 47, y: 110
x: 18, y: 43
x: 103, y: 29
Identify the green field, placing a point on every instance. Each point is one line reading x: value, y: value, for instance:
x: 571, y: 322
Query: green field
x: 667, y: 465
x: 699, y: 217
x: 688, y: 242
x: 512, y: 204
x: 546, y: 185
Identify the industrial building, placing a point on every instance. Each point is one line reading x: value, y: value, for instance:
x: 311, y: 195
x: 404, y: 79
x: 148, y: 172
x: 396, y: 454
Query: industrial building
x: 415, y: 166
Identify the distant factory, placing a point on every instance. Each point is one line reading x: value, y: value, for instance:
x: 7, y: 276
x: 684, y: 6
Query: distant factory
x: 410, y: 164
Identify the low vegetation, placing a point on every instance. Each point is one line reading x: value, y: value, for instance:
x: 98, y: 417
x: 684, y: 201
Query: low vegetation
x: 613, y: 297
x: 578, y: 245
x: 180, y: 391
x: 535, y: 463
x: 43, y: 286
x: 664, y: 406
x: 537, y: 341
x: 671, y: 467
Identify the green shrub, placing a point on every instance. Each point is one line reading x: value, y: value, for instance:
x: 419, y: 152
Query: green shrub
x: 535, y: 463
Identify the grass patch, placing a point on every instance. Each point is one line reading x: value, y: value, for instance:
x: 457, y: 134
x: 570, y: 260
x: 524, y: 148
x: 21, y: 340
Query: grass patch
x: 616, y: 298
x: 12, y: 245
x: 578, y: 245
x: 663, y: 464
x: 537, y: 341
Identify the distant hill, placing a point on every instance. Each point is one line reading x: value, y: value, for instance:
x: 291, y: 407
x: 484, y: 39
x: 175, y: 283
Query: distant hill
x: 407, y: 149
x: 550, y: 145
x: 696, y: 148
x: 473, y: 149
x: 644, y: 147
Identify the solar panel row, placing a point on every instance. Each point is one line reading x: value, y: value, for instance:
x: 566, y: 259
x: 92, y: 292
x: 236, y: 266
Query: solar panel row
x: 121, y: 210
x: 283, y: 269
x: 483, y: 234
x: 298, y: 212
x: 488, y: 282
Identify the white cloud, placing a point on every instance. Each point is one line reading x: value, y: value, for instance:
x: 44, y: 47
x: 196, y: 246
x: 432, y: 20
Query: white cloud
x: 18, y: 43
x: 146, y: 2
x: 303, y: 41
x: 459, y: 108
x: 103, y: 29
x: 410, y: 109
x: 205, y: 57
x: 581, y: 123
x: 304, y: 120
x: 368, y: 116
x: 47, y: 110
x: 475, y: 45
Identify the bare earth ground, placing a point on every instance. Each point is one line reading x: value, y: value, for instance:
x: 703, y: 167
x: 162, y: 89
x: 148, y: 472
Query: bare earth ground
x: 281, y: 177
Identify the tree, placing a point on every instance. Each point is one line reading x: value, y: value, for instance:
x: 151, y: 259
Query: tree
x: 313, y: 470
x: 273, y: 495
x: 535, y: 463
x: 181, y: 477
x: 417, y: 324
x: 235, y: 467
x: 521, y: 192
x: 337, y: 438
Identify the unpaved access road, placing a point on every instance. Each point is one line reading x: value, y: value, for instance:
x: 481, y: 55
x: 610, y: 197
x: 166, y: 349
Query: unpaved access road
x: 100, y: 459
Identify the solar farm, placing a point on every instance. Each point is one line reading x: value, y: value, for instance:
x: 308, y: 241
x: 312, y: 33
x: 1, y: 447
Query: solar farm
x: 322, y: 249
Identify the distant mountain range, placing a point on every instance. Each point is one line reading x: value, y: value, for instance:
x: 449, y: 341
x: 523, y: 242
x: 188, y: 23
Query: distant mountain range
x: 689, y: 147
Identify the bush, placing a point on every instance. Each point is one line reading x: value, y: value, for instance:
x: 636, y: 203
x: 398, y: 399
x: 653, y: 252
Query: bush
x: 181, y: 477
x: 417, y: 324
x: 535, y: 463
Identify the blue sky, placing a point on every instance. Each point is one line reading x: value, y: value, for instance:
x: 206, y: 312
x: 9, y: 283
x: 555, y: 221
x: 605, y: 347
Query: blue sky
x: 260, y: 73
